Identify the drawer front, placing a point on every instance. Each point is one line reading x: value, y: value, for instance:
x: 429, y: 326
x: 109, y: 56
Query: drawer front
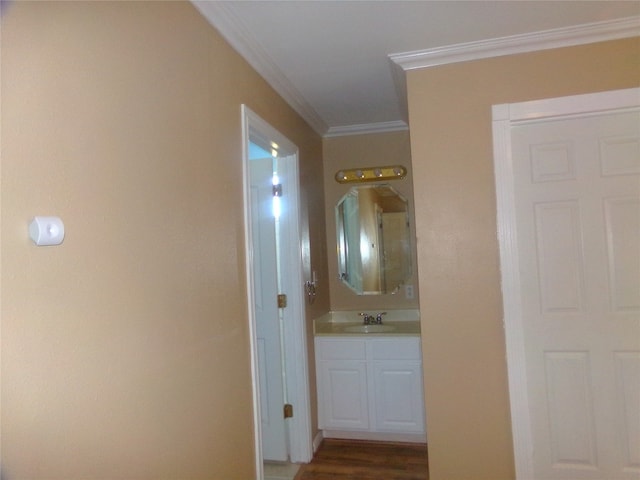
x: 395, y: 349
x: 340, y: 349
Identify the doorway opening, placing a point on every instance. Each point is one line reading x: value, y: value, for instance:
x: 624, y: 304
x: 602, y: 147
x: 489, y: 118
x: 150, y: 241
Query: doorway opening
x: 274, y: 279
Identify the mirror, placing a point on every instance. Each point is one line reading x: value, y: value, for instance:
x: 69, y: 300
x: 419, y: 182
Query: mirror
x: 373, y: 239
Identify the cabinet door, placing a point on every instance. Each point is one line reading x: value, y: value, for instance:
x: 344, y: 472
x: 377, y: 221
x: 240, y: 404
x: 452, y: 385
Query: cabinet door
x: 343, y: 395
x: 398, y: 396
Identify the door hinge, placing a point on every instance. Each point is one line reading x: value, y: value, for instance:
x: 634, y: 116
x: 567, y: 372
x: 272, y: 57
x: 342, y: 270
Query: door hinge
x: 288, y: 410
x: 277, y: 190
x: 282, y: 300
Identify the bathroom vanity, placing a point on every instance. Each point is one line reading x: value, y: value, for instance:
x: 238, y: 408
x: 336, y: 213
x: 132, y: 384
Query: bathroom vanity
x: 370, y: 380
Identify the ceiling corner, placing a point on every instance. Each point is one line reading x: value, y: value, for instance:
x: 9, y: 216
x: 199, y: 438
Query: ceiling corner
x: 242, y: 41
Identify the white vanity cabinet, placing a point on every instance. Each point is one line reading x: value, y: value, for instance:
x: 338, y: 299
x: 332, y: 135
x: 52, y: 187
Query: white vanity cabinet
x: 370, y: 387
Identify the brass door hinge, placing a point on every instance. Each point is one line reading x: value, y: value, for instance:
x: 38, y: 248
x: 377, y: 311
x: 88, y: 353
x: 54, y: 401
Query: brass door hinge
x: 288, y: 410
x: 282, y: 300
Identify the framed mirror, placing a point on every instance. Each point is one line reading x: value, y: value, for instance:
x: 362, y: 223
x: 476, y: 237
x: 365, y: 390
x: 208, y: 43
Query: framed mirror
x: 373, y: 239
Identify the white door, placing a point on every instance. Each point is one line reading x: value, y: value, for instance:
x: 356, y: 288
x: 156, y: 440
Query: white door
x: 291, y: 328
x: 575, y: 229
x: 268, y: 331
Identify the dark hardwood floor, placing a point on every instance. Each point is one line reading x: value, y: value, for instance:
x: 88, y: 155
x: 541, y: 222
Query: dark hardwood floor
x: 363, y: 460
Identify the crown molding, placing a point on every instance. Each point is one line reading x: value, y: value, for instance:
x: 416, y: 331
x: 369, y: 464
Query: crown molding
x: 364, y: 128
x: 241, y: 39
x: 222, y: 18
x: 528, y: 42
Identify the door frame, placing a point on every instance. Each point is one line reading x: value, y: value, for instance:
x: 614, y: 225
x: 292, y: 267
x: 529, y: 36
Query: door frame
x: 506, y: 116
x: 296, y: 371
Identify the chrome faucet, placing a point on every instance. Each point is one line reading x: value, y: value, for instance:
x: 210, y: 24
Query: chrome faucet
x: 368, y: 319
x: 379, y: 317
x: 372, y: 320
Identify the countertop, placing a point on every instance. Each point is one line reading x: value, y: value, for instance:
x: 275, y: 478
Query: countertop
x: 399, y: 322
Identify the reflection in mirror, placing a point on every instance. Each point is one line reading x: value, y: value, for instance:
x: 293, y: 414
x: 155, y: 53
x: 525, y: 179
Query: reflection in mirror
x: 373, y: 236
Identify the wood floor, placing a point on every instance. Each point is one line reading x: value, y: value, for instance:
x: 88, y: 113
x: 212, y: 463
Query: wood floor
x: 362, y: 460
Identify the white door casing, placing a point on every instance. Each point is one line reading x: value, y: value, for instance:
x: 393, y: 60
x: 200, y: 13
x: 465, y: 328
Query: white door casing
x: 568, y: 191
x: 296, y: 382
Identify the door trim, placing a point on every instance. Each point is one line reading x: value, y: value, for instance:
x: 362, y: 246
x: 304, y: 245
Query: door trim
x: 505, y: 116
x: 295, y: 338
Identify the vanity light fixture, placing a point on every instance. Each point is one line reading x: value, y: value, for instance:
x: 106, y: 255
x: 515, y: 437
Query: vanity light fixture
x: 371, y: 174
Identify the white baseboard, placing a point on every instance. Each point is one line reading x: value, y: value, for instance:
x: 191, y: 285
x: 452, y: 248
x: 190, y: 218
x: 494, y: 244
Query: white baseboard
x: 317, y: 440
x: 376, y: 436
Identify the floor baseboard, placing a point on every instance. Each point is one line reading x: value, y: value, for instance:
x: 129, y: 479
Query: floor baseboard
x: 317, y: 440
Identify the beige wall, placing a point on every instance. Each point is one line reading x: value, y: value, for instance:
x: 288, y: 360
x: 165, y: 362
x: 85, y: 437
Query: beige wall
x: 125, y: 350
x: 367, y: 150
x: 463, y: 343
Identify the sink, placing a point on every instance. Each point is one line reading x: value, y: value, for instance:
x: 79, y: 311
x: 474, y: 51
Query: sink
x: 370, y: 328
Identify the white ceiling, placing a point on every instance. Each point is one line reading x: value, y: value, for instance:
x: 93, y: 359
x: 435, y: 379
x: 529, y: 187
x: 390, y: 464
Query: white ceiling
x: 337, y: 62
